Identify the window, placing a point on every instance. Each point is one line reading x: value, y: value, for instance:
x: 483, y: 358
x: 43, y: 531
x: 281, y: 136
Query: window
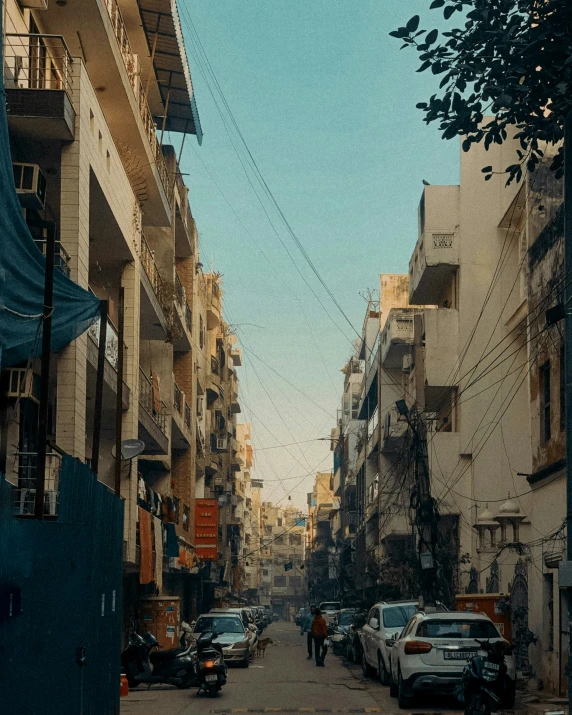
x: 545, y: 402
x: 279, y: 522
x: 398, y: 616
x: 457, y: 628
x: 280, y: 581
x: 201, y: 332
x: 295, y: 540
x: 279, y: 540
x: 295, y: 582
x: 562, y: 390
x: 265, y: 572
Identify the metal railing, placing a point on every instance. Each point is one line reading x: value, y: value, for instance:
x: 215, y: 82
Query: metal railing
x: 188, y: 318
x: 177, y: 398
x: 152, y: 272
x: 35, y: 61
x: 25, y: 492
x: 179, y: 291
x: 132, y: 72
x: 111, y: 340
x: 215, y: 368
x: 61, y: 257
x: 156, y: 410
x: 187, y: 415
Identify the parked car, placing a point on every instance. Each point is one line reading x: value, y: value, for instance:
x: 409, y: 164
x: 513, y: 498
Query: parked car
x: 433, y: 649
x: 383, y: 621
x: 251, y: 628
x: 230, y: 633
x: 299, y: 617
x: 330, y: 611
x: 341, y: 630
x: 354, y: 649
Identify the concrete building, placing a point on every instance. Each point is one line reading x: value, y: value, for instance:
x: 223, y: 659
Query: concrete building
x: 322, y: 564
x: 90, y: 93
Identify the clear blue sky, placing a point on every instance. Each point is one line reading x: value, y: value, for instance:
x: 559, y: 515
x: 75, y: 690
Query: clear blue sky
x: 326, y: 103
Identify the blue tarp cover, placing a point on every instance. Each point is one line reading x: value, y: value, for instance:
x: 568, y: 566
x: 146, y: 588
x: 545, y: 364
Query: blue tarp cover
x: 22, y: 269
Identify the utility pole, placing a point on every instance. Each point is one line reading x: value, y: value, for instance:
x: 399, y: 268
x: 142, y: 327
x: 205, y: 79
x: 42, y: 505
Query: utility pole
x: 568, y: 378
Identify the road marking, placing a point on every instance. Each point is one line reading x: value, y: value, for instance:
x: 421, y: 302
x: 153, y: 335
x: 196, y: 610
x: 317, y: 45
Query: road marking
x: 241, y: 711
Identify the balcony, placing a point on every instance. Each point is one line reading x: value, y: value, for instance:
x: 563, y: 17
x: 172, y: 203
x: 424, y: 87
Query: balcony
x: 394, y: 431
x: 114, y: 71
x: 184, y: 223
x: 61, y: 257
x: 181, y: 414
x: 25, y: 491
x: 397, y: 337
x: 153, y: 417
x: 156, y: 297
x: 39, y: 83
x: 214, y: 305
x: 236, y: 355
x: 441, y: 352
x: 183, y: 317
x: 436, y: 256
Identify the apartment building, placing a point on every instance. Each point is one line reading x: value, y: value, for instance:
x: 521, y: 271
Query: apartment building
x: 283, y: 582
x: 322, y: 561
x: 90, y: 94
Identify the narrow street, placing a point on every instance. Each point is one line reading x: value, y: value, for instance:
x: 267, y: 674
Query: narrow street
x: 282, y: 681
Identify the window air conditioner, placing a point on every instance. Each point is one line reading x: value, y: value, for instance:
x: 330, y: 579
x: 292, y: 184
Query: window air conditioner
x: 22, y: 383
x: 221, y: 443
x: 30, y: 185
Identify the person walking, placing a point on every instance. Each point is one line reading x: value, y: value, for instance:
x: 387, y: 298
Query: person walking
x: 307, y: 628
x: 319, y: 633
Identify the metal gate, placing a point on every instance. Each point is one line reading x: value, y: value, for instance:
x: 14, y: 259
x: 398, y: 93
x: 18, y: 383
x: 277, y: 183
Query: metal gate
x: 61, y: 652
x: 519, y: 614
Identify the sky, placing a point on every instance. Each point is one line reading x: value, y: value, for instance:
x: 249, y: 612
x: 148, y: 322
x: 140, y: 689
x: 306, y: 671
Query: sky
x: 325, y: 101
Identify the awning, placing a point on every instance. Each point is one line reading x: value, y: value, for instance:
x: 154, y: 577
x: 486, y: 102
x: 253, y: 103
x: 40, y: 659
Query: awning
x: 162, y: 26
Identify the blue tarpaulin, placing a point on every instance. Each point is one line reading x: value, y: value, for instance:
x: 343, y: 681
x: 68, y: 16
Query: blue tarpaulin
x: 22, y: 269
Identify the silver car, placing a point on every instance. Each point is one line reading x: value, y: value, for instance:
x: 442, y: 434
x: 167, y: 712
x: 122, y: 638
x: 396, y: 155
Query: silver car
x: 230, y: 634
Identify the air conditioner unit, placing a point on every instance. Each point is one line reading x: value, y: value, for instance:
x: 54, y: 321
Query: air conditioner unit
x: 22, y: 383
x: 30, y: 185
x: 221, y: 443
x: 407, y: 361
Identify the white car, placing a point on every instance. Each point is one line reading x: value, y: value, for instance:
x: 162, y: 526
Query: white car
x: 330, y: 611
x: 383, y: 621
x: 432, y: 650
x: 229, y: 632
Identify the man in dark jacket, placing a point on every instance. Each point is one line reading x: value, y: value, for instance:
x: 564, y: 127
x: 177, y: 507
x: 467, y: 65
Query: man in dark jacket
x: 319, y: 634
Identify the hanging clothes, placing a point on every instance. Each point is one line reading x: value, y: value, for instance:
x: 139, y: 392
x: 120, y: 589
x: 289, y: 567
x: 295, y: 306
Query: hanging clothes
x: 156, y: 392
x: 158, y: 529
x: 146, y: 558
x: 172, y: 550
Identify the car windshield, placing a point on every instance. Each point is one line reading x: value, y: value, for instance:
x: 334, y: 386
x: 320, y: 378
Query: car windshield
x: 330, y: 606
x: 398, y: 616
x: 346, y: 618
x: 457, y: 629
x: 219, y: 624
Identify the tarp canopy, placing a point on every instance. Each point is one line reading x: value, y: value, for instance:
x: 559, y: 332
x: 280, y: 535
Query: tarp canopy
x: 22, y: 269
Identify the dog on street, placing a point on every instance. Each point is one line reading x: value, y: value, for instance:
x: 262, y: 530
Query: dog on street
x: 262, y: 645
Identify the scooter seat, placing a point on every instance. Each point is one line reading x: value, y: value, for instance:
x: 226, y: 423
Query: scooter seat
x: 161, y: 655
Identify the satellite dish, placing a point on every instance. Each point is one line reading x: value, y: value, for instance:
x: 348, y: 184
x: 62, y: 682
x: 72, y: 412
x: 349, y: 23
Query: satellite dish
x: 130, y: 448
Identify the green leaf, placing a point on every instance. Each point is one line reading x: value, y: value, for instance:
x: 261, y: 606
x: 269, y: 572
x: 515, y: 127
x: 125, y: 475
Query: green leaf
x: 413, y: 24
x: 424, y: 66
x: 448, y: 11
x: 436, y: 3
x: 431, y: 37
x: 488, y: 177
x: 487, y: 169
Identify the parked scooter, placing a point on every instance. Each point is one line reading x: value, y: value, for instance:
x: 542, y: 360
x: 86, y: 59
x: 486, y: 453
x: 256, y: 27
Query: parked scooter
x: 142, y: 664
x: 485, y: 686
x: 210, y: 668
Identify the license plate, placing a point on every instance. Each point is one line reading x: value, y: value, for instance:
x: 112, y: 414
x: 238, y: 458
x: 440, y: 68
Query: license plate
x: 211, y: 678
x: 457, y: 655
x: 492, y: 666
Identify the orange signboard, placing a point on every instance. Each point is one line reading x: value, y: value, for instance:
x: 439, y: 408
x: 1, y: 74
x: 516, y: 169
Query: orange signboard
x: 206, y: 529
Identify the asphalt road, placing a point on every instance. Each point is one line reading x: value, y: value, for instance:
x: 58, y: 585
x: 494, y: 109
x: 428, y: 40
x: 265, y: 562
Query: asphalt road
x: 282, y: 681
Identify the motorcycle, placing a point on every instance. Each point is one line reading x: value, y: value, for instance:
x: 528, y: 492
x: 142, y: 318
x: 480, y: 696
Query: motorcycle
x: 210, y: 668
x: 141, y: 664
x: 485, y: 685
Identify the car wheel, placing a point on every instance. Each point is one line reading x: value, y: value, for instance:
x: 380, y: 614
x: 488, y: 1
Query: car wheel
x: 403, y: 700
x: 382, y: 670
x: 366, y: 669
x: 510, y: 694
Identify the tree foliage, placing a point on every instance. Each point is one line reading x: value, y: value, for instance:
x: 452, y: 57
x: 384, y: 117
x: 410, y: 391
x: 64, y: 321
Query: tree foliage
x: 508, y: 65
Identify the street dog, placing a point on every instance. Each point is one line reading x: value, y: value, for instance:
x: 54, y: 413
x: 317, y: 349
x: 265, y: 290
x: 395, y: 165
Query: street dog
x: 262, y: 645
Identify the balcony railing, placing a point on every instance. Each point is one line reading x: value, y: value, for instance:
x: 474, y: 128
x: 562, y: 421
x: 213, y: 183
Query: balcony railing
x: 61, y: 257
x: 187, y: 415
x: 177, y: 398
x: 34, y: 61
x: 179, y: 291
x: 156, y: 409
x: 188, y: 318
x: 152, y: 272
x: 130, y: 62
x: 25, y: 492
x: 215, y: 368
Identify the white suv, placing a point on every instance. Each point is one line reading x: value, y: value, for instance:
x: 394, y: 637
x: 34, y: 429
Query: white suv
x: 383, y: 620
x: 431, y: 652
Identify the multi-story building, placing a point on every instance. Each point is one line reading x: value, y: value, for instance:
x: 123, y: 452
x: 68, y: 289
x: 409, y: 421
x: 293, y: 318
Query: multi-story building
x: 322, y: 559
x: 90, y: 95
